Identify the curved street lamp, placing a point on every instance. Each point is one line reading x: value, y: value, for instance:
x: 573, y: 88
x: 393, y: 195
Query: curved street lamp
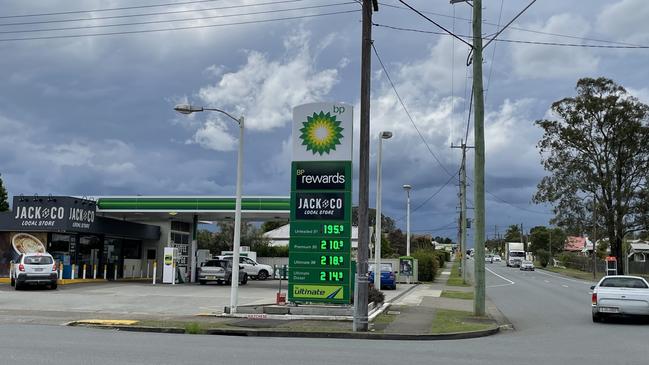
x: 407, y: 188
x: 189, y: 109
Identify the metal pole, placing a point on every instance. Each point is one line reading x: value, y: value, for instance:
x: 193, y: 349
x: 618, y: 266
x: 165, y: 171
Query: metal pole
x: 408, y: 223
x: 594, y: 240
x: 237, y: 227
x: 463, y: 208
x: 377, y: 231
x: 479, y: 194
x: 360, y: 305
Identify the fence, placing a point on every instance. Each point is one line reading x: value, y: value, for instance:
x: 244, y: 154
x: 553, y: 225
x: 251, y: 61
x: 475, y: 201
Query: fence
x: 638, y: 268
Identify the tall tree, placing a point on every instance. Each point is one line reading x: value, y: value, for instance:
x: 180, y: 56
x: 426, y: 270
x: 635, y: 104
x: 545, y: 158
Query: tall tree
x: 597, y: 154
x: 4, y: 199
x: 513, y: 233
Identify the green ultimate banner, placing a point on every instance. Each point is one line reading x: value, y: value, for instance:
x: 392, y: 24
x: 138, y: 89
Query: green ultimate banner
x: 320, y: 268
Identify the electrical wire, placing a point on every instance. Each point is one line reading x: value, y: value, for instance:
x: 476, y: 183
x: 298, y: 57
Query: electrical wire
x: 259, y: 21
x: 493, y: 55
x: 508, y: 24
x: 436, y: 24
x: 558, y: 44
x: 518, y: 28
x: 428, y: 199
x: 403, y: 105
x: 150, y: 14
x: 174, y: 20
x: 108, y: 9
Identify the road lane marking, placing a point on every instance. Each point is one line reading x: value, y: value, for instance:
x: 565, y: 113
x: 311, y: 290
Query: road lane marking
x: 564, y: 285
x: 562, y: 278
x: 502, y: 277
x: 547, y: 281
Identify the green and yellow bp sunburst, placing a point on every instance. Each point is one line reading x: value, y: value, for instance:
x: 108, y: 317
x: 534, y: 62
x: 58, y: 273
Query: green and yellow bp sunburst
x: 321, y: 133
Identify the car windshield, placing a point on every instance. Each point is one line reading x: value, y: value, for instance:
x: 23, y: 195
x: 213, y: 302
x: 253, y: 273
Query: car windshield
x: 38, y: 260
x: 624, y: 283
x: 517, y: 254
x: 527, y: 262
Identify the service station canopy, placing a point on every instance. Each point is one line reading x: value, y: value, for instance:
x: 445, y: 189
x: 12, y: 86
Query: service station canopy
x: 183, y: 208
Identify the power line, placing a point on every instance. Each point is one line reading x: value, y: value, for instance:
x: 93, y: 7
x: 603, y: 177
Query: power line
x: 149, y: 14
x: 493, y: 54
x: 174, y: 20
x: 108, y: 9
x: 517, y: 28
x: 514, y: 40
x: 178, y: 28
x: 510, y: 23
x: 403, y: 105
x: 436, y: 24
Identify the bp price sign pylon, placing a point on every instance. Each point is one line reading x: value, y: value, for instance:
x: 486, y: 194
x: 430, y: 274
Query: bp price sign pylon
x: 321, y: 208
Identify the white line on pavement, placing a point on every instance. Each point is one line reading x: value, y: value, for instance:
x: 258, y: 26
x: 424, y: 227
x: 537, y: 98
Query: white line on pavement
x: 564, y: 285
x: 502, y: 277
x: 562, y: 278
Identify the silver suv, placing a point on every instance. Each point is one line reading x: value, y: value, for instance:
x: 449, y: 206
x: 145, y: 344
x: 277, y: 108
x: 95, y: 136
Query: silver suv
x: 219, y: 271
x: 34, y: 269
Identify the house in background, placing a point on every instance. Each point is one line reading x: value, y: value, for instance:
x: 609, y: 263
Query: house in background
x: 575, y: 244
x: 639, y: 251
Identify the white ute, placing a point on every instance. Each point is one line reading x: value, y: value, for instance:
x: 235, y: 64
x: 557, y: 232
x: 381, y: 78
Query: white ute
x: 620, y: 295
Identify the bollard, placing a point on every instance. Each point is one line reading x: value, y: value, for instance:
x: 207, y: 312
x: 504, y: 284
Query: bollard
x: 154, y: 271
x: 84, y: 271
x: 115, y: 274
x: 141, y: 273
x: 11, y: 270
x: 173, y: 273
x: 60, y: 270
x: 105, y: 270
x: 94, y: 272
x: 147, y: 268
x: 74, y: 267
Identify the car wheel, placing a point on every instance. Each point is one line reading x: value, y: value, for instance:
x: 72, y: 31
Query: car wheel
x: 53, y: 286
x: 202, y: 282
x: 17, y: 286
x: 262, y: 275
x: 597, y: 318
x: 244, y: 279
x: 228, y: 281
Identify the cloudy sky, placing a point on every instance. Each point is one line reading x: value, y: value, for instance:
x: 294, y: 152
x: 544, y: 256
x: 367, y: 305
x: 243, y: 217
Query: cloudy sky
x: 92, y: 115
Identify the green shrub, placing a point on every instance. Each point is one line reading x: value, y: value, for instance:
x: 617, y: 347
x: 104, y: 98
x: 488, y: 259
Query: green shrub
x: 375, y: 295
x: 543, y: 257
x: 427, y: 264
x: 194, y: 328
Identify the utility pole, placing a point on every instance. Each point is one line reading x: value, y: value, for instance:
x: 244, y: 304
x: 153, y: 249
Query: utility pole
x: 463, y: 216
x: 550, y: 243
x: 595, y: 240
x: 479, y: 192
x: 361, y: 292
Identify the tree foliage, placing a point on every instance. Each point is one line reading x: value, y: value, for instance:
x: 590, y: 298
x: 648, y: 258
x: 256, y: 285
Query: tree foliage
x: 513, y: 233
x: 4, y: 199
x: 544, y: 238
x: 597, y: 150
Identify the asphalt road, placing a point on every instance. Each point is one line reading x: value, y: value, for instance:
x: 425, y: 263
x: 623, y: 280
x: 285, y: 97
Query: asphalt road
x: 551, y: 315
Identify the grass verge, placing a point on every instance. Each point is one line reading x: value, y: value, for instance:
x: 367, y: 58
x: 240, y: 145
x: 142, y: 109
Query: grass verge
x: 578, y: 274
x: 457, y: 294
x: 455, y: 279
x: 448, y: 321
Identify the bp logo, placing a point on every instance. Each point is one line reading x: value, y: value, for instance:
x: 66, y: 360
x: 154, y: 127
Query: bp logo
x: 321, y: 133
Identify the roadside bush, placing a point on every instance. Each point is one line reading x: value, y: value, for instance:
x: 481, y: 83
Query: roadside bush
x: 375, y: 295
x: 427, y: 263
x: 543, y: 256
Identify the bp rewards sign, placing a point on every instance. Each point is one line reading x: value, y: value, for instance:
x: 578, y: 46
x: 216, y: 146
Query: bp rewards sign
x: 321, y: 177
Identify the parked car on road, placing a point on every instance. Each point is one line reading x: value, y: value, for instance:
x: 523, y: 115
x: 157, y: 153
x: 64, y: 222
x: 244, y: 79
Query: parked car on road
x: 527, y: 265
x: 497, y: 258
x: 489, y: 259
x: 388, y: 279
x: 34, y: 269
x: 219, y: 271
x: 620, y: 295
x: 252, y: 268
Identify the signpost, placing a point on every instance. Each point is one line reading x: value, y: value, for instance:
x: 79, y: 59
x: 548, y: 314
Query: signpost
x: 320, y: 268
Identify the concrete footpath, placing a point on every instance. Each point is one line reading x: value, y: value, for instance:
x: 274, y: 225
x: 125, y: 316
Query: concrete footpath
x: 418, y: 313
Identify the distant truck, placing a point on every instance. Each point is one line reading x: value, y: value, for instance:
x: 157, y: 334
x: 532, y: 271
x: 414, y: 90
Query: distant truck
x: 514, y: 254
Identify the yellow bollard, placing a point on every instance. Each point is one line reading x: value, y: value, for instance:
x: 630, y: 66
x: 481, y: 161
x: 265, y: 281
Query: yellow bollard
x: 154, y: 271
x: 105, y: 270
x: 84, y: 271
x: 74, y: 268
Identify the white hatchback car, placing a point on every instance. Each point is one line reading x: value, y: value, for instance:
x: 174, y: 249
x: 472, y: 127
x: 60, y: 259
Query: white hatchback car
x: 252, y: 268
x: 34, y: 269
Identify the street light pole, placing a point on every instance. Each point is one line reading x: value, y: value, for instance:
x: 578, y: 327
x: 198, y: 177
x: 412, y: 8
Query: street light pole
x: 234, y: 280
x: 407, y: 188
x: 377, y: 231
